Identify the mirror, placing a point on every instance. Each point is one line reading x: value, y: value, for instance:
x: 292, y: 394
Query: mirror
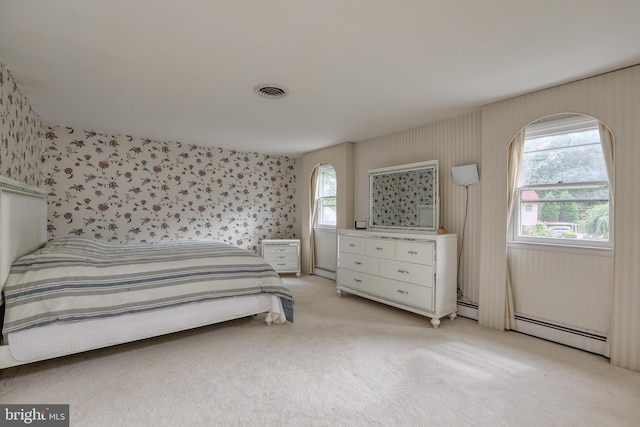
x: 404, y: 197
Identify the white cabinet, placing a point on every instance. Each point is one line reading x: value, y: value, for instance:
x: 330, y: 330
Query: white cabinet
x: 282, y: 254
x: 413, y: 271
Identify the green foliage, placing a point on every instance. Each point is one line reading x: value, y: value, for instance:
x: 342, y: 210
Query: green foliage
x: 549, y: 212
x: 558, y: 211
x: 541, y: 230
x: 570, y: 157
x: 568, y: 212
x: 596, y: 221
x: 327, y: 183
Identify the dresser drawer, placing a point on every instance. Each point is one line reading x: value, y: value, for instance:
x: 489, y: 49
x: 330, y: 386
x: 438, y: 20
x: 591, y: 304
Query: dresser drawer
x: 400, y: 292
x: 360, y: 263
x: 419, y: 253
x: 353, y: 245
x: 380, y: 248
x: 407, y: 293
x: 358, y: 280
x: 407, y: 272
x: 279, y: 249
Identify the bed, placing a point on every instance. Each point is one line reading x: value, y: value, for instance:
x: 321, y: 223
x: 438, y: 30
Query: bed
x: 76, y: 294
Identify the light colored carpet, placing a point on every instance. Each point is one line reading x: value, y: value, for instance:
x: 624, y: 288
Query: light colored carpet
x: 346, y: 361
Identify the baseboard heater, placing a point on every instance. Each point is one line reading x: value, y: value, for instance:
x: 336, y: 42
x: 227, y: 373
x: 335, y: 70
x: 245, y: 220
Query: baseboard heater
x: 583, y: 339
x: 325, y: 272
x: 468, y: 309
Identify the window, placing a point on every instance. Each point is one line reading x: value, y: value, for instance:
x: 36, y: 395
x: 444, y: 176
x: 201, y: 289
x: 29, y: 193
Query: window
x: 563, y: 190
x: 326, y: 197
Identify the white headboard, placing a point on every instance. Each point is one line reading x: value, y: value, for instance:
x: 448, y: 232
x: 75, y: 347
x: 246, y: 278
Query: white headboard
x: 23, y: 222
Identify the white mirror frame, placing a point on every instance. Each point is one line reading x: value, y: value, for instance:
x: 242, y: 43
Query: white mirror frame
x: 428, y: 215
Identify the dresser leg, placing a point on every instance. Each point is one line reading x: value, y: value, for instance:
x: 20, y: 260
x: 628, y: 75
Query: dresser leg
x: 453, y: 315
x: 269, y: 319
x: 339, y: 292
x: 435, y: 322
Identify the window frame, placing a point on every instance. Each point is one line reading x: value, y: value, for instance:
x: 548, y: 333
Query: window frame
x: 321, y: 200
x: 556, y: 127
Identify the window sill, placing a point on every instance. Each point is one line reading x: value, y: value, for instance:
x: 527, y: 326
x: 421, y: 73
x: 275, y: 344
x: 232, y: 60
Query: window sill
x: 325, y: 227
x: 558, y: 247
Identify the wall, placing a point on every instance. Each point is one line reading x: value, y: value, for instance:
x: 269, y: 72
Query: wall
x: 20, y: 133
x: 613, y: 98
x: 567, y: 286
x: 122, y: 188
x: 327, y: 256
x: 453, y: 142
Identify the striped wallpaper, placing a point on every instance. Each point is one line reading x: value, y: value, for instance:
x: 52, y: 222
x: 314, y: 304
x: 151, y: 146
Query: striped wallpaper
x: 453, y: 142
x: 483, y: 138
x: 613, y: 98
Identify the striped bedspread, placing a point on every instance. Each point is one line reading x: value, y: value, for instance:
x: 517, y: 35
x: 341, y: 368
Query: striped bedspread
x: 75, y: 279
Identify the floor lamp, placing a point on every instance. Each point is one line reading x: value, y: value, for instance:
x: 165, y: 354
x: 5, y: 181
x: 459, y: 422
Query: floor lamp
x: 464, y: 175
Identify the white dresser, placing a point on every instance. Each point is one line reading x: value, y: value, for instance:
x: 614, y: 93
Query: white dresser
x: 412, y: 271
x: 282, y: 254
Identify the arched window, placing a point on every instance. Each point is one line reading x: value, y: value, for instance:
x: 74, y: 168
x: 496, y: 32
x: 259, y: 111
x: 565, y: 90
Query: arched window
x: 563, y: 190
x: 326, y: 197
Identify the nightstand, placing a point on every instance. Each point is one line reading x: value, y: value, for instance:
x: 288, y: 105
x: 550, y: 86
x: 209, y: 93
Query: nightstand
x: 282, y: 254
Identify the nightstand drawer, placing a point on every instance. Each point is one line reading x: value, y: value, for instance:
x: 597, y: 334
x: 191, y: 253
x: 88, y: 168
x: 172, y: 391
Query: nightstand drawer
x: 280, y: 249
x: 281, y: 257
x: 284, y: 265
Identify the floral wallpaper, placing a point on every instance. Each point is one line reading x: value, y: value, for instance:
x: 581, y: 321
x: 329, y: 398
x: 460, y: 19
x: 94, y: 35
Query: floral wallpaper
x: 397, y: 198
x: 127, y: 189
x: 20, y: 133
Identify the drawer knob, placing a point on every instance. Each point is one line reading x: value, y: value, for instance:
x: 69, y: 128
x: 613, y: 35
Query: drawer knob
x: 352, y: 245
x: 401, y: 291
x: 413, y: 253
x: 357, y: 280
x: 378, y: 248
x: 357, y: 262
x: 403, y: 271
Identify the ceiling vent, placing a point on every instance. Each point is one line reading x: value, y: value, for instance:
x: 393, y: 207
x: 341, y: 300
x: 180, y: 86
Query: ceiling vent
x: 271, y: 91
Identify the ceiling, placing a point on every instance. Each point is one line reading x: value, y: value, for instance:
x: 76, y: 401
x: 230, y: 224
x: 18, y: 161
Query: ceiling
x: 354, y: 69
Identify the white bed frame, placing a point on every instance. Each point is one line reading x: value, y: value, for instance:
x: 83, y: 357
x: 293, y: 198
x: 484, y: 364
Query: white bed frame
x: 23, y: 222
